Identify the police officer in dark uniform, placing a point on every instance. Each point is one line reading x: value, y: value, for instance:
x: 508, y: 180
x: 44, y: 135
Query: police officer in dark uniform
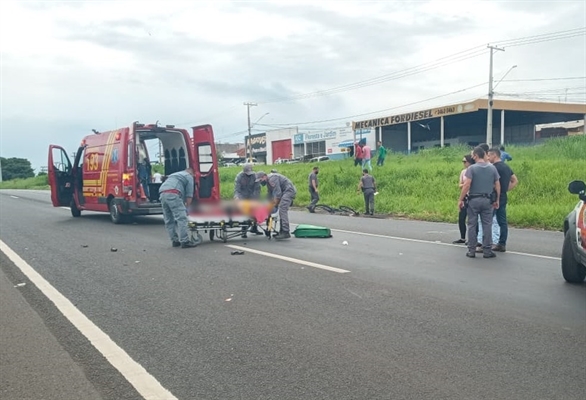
x: 282, y: 191
x: 482, y: 181
x: 247, y: 188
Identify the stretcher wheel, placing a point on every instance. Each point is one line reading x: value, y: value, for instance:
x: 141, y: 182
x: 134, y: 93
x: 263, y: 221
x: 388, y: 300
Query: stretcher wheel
x: 199, y: 238
x: 224, y: 235
x: 212, y: 235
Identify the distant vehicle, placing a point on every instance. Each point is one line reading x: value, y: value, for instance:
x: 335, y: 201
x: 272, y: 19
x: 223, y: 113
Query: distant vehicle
x: 104, y: 174
x: 319, y: 159
x: 574, y: 247
x: 229, y: 164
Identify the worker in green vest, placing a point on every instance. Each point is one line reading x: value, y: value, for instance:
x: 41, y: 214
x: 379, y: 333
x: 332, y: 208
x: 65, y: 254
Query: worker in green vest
x: 382, y: 153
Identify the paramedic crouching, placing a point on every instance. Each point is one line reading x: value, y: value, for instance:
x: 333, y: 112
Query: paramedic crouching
x: 176, y: 194
x: 282, y: 191
x: 247, y: 188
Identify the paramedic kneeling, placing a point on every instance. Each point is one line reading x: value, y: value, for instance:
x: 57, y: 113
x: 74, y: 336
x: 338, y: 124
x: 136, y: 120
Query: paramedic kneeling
x: 176, y: 194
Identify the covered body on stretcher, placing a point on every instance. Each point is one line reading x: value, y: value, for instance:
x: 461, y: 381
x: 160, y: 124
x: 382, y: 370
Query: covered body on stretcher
x: 228, y: 219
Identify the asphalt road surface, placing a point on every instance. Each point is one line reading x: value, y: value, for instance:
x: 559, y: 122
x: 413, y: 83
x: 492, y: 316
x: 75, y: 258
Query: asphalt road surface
x: 398, y: 313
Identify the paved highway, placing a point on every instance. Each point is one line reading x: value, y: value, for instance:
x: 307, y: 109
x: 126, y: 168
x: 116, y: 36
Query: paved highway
x: 399, y: 313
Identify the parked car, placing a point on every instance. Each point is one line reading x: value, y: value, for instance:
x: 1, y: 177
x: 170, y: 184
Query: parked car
x: 574, y: 247
x: 319, y: 159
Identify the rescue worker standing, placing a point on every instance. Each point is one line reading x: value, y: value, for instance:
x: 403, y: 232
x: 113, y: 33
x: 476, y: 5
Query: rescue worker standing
x: 176, y: 194
x: 247, y: 188
x: 282, y: 192
x: 482, y: 181
x: 313, y: 190
x: 368, y: 186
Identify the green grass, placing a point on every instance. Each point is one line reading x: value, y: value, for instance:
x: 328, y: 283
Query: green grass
x: 37, y: 182
x: 424, y: 186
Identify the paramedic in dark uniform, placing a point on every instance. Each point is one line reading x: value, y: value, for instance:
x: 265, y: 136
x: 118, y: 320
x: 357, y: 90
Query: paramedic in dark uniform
x: 247, y: 188
x: 313, y: 190
x: 176, y: 194
x: 282, y: 192
x: 368, y: 186
x: 482, y: 180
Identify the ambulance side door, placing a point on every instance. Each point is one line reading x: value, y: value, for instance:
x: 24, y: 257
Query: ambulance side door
x: 205, y: 164
x: 60, y: 176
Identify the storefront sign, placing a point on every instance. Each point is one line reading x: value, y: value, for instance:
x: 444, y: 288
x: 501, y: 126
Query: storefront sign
x: 414, y: 116
x: 258, y: 141
x: 314, y: 137
x: 298, y: 138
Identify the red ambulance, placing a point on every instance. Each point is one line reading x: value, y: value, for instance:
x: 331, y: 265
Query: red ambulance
x: 112, y: 171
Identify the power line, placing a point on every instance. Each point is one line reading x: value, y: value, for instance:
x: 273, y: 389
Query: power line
x: 456, y: 57
x: 544, y: 79
x: 383, y: 110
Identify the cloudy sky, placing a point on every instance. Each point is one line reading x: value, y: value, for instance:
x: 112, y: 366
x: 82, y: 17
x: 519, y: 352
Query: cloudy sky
x: 69, y: 67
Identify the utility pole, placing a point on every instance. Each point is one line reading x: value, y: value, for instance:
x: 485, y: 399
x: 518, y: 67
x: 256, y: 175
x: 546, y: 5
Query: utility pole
x: 490, y: 96
x: 0, y: 170
x: 248, y: 105
x: 160, y: 152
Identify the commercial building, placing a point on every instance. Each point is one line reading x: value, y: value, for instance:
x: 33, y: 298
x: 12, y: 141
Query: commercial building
x: 464, y: 123
x: 513, y: 122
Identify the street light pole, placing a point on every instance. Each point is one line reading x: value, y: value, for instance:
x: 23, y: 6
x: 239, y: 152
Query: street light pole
x: 490, y: 97
x: 248, y: 105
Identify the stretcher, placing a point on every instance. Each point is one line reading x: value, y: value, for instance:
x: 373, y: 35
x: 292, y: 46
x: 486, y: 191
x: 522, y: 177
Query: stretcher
x: 228, y: 220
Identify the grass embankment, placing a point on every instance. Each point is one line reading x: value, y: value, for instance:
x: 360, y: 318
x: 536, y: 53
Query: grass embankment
x: 37, y: 182
x: 424, y: 186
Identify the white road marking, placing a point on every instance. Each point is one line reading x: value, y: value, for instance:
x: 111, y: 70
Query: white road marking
x: 436, y: 242
x: 135, y: 374
x: 289, y: 259
x: 14, y: 197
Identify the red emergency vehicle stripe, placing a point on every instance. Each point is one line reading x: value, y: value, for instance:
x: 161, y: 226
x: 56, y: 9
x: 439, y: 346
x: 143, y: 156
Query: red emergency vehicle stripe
x: 106, y: 162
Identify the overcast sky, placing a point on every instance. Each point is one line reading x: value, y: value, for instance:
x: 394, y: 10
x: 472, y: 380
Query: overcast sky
x: 69, y: 67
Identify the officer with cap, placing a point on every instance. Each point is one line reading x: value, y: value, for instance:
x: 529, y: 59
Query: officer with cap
x: 282, y: 192
x: 245, y: 185
x: 247, y: 188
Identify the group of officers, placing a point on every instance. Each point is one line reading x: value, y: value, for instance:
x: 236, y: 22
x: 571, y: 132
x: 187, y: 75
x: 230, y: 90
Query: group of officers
x: 176, y: 194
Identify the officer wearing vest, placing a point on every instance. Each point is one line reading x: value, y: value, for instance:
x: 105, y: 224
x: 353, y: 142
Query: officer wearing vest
x: 368, y: 186
x: 175, y: 195
x: 313, y: 190
x: 483, y: 188
x: 282, y: 192
x: 247, y: 188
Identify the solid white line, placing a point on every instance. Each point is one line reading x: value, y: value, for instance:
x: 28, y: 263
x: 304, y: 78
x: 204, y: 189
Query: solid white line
x: 14, y: 197
x: 436, y: 243
x: 143, y: 382
x: 289, y: 259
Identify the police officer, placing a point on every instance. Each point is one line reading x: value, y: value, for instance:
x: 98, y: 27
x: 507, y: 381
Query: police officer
x: 282, y: 192
x: 313, y: 190
x: 176, y: 194
x: 482, y: 180
x: 368, y: 186
x: 247, y: 188
x: 245, y: 185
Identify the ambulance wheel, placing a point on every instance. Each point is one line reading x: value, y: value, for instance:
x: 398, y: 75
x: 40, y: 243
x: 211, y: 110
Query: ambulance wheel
x: 212, y: 234
x: 115, y: 214
x: 76, y: 212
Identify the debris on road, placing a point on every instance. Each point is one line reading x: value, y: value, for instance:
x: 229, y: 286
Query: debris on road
x: 237, y: 252
x: 84, y: 245
x: 345, y: 243
x: 113, y: 249
x: 20, y: 284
